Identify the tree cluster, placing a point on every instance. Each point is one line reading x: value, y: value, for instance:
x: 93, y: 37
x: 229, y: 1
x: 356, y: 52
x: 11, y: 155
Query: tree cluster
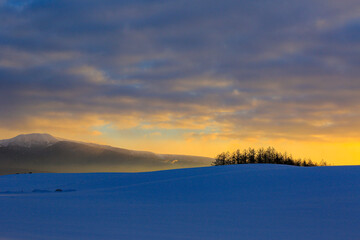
x: 261, y: 155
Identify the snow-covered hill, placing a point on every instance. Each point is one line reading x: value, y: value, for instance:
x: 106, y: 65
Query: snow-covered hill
x: 230, y: 202
x: 30, y: 140
x: 45, y: 153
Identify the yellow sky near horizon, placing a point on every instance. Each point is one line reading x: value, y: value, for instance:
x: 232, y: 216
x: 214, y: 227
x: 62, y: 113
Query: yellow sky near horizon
x: 197, y: 79
x: 333, y: 152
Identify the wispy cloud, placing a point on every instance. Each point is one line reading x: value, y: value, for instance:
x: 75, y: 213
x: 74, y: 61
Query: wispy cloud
x: 249, y: 69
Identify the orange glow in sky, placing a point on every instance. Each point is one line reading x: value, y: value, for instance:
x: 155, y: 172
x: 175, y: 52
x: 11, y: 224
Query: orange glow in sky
x: 198, y: 78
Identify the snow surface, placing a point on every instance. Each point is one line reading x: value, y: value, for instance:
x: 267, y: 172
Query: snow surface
x: 228, y: 202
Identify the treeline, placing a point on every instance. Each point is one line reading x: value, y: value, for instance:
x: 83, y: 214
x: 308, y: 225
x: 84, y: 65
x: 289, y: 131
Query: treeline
x: 262, y: 155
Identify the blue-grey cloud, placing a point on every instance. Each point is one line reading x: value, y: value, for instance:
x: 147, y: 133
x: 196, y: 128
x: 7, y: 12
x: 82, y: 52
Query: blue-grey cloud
x: 285, y: 68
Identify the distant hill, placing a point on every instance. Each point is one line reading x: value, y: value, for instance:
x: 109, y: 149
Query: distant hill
x: 45, y: 153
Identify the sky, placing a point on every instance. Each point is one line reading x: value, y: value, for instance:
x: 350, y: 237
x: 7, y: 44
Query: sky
x: 195, y: 77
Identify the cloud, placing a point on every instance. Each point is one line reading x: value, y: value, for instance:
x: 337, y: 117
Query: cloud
x: 249, y: 69
x: 89, y: 74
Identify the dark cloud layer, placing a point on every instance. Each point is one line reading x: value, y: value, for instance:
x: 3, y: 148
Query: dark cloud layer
x: 287, y: 69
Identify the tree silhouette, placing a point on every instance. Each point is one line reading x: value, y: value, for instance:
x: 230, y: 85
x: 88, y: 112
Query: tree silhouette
x: 261, y: 155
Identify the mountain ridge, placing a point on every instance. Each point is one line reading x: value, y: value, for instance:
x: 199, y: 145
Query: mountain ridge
x: 29, y: 140
x: 41, y: 152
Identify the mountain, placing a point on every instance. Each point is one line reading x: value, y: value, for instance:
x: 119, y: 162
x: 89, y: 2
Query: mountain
x: 44, y: 153
x: 29, y: 140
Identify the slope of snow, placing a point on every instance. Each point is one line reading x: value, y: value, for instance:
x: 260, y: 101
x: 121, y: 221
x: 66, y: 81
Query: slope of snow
x: 229, y: 202
x: 30, y: 140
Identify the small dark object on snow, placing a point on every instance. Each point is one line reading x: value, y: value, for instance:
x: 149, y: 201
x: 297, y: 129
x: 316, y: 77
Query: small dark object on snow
x: 58, y: 190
